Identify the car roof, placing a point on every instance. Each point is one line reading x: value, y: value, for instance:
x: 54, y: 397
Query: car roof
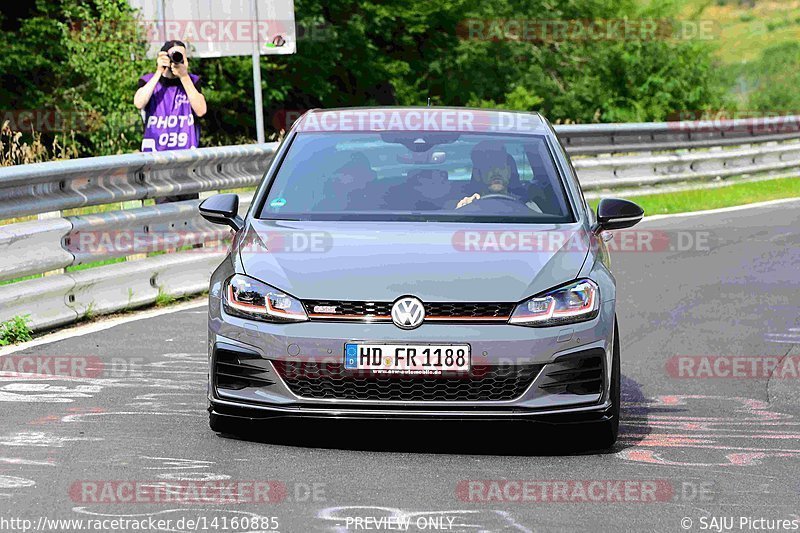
x: 422, y: 119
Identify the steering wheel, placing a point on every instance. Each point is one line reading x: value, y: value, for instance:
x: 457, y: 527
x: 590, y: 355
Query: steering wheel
x: 500, y: 196
x: 497, y: 204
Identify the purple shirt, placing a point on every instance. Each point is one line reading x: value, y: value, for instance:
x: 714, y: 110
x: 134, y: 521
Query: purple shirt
x: 170, y: 123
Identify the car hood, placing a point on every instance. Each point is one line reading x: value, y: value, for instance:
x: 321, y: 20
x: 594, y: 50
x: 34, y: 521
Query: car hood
x: 436, y: 262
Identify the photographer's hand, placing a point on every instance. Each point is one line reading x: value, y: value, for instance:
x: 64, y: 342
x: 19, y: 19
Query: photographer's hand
x: 180, y: 70
x: 162, y: 63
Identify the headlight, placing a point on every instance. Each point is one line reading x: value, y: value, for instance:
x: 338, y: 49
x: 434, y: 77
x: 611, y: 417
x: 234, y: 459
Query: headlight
x: 249, y: 298
x: 577, y: 302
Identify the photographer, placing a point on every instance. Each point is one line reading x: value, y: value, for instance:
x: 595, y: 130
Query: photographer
x: 172, y: 102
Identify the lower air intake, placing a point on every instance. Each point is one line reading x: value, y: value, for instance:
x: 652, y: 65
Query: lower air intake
x: 332, y: 381
x: 579, y: 373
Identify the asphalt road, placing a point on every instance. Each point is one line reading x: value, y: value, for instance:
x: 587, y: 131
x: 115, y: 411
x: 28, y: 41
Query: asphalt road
x: 711, y: 446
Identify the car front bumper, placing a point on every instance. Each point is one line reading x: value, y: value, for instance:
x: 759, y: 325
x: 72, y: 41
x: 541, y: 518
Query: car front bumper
x: 323, y: 342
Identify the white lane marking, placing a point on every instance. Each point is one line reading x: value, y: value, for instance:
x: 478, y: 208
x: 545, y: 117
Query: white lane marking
x: 28, y: 392
x: 792, y: 337
x: 184, y: 469
x: 81, y: 416
x: 12, y: 482
x: 36, y: 388
x: 35, y: 438
x: 174, y: 463
x: 721, y: 210
x: 86, y: 329
x: 20, y: 461
x: 194, y: 476
x: 39, y: 398
x: 44, y: 393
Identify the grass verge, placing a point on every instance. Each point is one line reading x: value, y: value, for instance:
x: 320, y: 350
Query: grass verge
x: 727, y: 196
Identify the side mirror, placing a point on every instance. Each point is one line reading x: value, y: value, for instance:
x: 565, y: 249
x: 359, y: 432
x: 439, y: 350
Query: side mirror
x: 222, y: 209
x: 615, y: 213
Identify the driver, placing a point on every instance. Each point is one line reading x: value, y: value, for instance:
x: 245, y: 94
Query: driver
x: 492, y: 173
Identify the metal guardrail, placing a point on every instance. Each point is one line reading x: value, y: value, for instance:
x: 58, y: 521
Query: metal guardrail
x: 692, y: 151
x: 586, y: 139
x: 45, y: 187
x: 43, y: 246
x: 52, y: 244
x: 633, y: 171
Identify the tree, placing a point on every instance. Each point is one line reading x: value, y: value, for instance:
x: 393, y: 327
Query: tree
x: 369, y: 52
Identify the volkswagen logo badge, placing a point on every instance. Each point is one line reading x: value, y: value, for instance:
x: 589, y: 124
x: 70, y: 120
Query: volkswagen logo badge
x: 408, y: 312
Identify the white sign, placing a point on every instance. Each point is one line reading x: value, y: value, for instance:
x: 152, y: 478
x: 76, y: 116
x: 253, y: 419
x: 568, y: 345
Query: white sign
x: 218, y: 28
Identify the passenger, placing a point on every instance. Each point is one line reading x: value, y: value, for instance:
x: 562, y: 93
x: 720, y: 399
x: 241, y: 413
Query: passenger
x: 349, y: 188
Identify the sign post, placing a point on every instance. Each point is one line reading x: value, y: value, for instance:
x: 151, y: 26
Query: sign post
x: 259, y: 99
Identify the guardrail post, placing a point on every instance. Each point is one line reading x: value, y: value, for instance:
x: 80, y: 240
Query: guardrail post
x: 49, y: 216
x: 133, y: 204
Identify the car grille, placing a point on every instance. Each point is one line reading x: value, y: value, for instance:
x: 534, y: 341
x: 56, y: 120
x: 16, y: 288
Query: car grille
x: 332, y: 381
x: 377, y: 311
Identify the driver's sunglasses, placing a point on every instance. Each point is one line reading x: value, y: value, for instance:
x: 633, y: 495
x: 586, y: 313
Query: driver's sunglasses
x: 503, y: 172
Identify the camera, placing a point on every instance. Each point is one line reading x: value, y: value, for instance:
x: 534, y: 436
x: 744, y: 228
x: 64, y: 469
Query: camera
x: 176, y: 57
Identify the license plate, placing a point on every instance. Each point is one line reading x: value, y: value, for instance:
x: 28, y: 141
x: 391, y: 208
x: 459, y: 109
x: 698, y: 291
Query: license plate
x: 407, y: 358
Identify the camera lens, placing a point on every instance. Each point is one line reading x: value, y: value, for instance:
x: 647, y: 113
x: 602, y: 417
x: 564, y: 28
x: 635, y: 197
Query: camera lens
x: 176, y: 57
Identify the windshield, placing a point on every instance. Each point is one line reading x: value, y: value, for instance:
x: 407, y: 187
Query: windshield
x: 418, y: 176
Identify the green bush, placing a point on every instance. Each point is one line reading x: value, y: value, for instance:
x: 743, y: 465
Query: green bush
x: 15, y: 330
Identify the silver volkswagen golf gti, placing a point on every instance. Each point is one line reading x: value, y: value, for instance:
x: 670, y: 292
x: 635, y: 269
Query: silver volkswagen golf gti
x: 417, y: 263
